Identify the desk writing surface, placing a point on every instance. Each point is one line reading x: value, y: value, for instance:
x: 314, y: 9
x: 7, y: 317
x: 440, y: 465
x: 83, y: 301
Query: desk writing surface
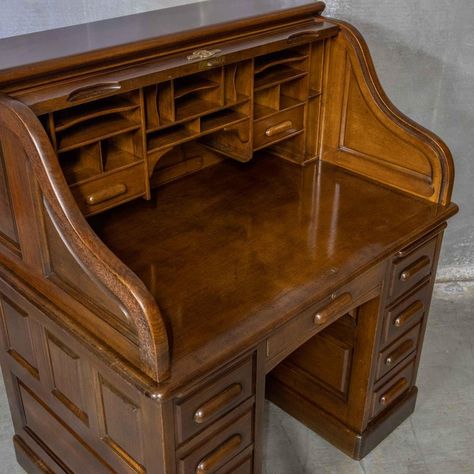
x: 229, y: 251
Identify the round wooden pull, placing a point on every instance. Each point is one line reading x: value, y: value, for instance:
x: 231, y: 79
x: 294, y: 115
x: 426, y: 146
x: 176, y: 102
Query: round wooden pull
x: 218, y: 403
x: 106, y: 194
x: 216, y: 457
x: 279, y: 128
x: 339, y: 305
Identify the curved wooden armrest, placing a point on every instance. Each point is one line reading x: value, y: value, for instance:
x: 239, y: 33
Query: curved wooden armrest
x: 86, y: 247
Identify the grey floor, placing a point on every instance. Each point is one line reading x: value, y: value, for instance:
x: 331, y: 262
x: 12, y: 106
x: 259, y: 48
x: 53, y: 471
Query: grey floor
x: 437, y: 439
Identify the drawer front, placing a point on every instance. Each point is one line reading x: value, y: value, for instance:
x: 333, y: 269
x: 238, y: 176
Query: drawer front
x: 392, y: 390
x: 277, y: 127
x: 406, y: 314
x: 241, y: 464
x: 410, y: 270
x: 320, y: 315
x: 203, y: 407
x: 108, y: 191
x: 217, y: 451
x: 394, y: 354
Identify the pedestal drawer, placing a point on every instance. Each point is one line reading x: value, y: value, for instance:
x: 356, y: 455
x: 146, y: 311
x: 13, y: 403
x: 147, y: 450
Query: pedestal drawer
x: 410, y: 311
x: 217, y: 451
x: 395, y: 387
x: 398, y: 351
x: 410, y: 270
x: 200, y: 409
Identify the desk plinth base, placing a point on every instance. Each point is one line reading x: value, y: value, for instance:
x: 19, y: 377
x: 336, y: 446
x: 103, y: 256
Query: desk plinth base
x: 356, y: 445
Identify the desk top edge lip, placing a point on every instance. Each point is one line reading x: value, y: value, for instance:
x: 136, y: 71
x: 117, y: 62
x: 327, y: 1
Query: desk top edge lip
x: 42, y: 52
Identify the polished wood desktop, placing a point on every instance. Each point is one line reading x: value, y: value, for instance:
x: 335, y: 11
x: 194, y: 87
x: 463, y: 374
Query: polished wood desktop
x: 200, y: 208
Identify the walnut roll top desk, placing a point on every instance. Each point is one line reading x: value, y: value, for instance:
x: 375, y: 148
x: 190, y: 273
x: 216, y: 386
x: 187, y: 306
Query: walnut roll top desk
x: 200, y: 208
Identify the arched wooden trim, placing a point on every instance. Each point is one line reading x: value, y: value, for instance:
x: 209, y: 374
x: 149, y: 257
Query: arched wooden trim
x: 82, y: 241
x: 440, y: 150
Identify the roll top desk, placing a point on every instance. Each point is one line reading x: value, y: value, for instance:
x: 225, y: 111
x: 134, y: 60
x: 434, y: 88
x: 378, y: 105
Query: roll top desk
x: 201, y: 207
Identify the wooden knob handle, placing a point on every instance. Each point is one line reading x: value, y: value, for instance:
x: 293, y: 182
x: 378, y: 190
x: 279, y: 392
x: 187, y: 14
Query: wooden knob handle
x: 337, y: 306
x: 407, y: 315
x: 106, y: 194
x: 399, y: 353
x: 394, y: 392
x: 279, y: 128
x: 303, y: 36
x: 414, y: 268
x: 94, y: 91
x: 225, y: 450
x: 218, y: 403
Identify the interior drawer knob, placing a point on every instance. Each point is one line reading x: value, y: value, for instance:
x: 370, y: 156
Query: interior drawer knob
x: 218, y: 403
x: 338, y: 305
x: 279, y: 128
x: 224, y: 451
x: 414, y: 268
x: 106, y: 194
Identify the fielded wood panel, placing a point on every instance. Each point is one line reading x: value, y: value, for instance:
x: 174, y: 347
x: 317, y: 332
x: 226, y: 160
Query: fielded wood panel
x: 65, y: 270
x: 8, y: 228
x: 73, y: 395
x: 366, y: 134
x: 17, y: 334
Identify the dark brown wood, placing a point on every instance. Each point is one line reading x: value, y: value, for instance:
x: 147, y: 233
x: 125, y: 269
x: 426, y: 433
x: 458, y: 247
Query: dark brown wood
x: 199, y: 207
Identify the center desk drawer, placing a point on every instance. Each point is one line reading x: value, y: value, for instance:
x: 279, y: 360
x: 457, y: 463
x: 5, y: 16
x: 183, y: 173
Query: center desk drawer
x: 320, y: 315
x: 210, y: 402
x: 278, y: 126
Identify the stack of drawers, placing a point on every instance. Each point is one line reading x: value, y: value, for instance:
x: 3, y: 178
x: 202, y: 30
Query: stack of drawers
x: 214, y: 424
x: 408, y: 296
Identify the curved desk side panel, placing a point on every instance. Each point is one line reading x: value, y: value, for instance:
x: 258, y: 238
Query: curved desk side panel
x: 365, y: 133
x: 28, y: 153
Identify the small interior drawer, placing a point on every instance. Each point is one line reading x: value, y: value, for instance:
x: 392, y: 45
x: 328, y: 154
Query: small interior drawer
x: 217, y: 451
x: 394, y: 354
x: 407, y: 313
x: 107, y: 191
x: 410, y: 270
x: 214, y: 400
x: 392, y: 390
x: 278, y: 126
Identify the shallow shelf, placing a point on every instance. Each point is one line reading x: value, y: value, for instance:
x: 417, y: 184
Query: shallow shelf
x: 286, y: 103
x: 115, y: 158
x: 192, y: 107
x: 267, y: 62
x: 273, y: 77
x: 207, y: 108
x: 193, y: 84
x: 82, y: 113
x: 170, y: 137
x: 221, y: 119
x: 95, y: 130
